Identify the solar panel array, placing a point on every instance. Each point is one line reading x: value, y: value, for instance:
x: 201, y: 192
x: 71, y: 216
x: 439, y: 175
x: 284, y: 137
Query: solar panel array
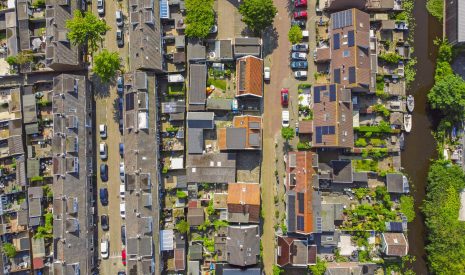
x: 129, y: 101
x: 336, y: 41
x: 332, y: 92
x: 352, y: 75
x: 350, y: 39
x: 301, y: 202
x: 291, y: 213
x: 342, y: 19
x: 324, y: 130
x: 164, y: 10
x: 337, y: 76
x: 317, y: 93
x: 319, y: 225
x: 300, y: 223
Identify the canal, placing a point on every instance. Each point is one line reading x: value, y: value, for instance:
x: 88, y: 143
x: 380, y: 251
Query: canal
x: 420, y: 146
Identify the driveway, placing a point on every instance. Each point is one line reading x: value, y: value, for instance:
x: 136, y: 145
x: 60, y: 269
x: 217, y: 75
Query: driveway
x: 106, y: 99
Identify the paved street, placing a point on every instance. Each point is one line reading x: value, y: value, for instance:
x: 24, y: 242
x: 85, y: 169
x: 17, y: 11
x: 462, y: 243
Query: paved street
x: 106, y: 106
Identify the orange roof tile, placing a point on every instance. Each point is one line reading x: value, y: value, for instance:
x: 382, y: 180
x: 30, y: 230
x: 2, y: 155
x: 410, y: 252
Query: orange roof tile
x: 249, y: 76
x: 244, y: 193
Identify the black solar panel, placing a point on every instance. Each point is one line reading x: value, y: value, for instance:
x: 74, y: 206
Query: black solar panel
x: 319, y: 225
x: 291, y: 213
x: 351, y: 75
x: 129, y: 101
x: 336, y: 41
x: 342, y: 19
x: 319, y: 135
x: 300, y: 223
x: 301, y: 201
x: 332, y: 93
x: 331, y: 130
x: 395, y: 226
x: 337, y: 76
x: 350, y: 39
x: 316, y: 96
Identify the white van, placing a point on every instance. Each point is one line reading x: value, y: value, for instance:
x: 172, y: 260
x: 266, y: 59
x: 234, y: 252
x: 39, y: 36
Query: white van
x: 104, y: 248
x: 103, y: 150
x: 122, y: 191
x: 122, y: 209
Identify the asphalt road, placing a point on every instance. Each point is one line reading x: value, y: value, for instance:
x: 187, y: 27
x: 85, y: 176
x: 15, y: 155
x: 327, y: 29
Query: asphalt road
x: 106, y: 100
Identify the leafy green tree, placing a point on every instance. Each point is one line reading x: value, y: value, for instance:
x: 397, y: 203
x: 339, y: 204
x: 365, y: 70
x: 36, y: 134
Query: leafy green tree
x: 183, y: 227
x: 435, y: 8
x: 9, y: 250
x: 390, y: 57
x: 85, y: 29
x: 287, y: 133
x: 407, y: 207
x: 277, y: 270
x: 200, y: 18
x: 295, y: 34
x: 12, y: 60
x: 319, y: 268
x: 106, y: 64
x: 180, y: 194
x: 448, y: 96
x: 258, y: 14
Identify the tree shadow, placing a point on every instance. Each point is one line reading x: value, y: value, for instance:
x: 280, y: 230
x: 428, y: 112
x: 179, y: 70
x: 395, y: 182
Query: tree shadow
x: 270, y: 41
x: 101, y: 89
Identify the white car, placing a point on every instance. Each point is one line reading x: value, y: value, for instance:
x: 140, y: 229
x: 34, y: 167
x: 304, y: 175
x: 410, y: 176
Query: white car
x: 103, y: 130
x: 122, y: 210
x: 285, y: 118
x: 104, y: 249
x: 103, y: 150
x: 101, y: 7
x: 119, y: 18
x: 121, y: 171
x: 122, y: 191
x: 300, y: 74
x: 299, y: 56
x: 266, y: 73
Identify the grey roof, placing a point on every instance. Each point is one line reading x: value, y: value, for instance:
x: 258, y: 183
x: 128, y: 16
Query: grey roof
x: 173, y: 107
x: 200, y: 120
x: 224, y: 104
x: 195, y: 216
x: 195, y: 252
x: 236, y: 138
x: 225, y: 49
x: 243, y: 245
x: 15, y: 145
x: 29, y: 108
x: 195, y: 50
x: 361, y: 177
x: 396, y: 184
x: 212, y: 168
x: 35, y: 192
x: 12, y: 42
x: 241, y: 271
x: 33, y: 168
x: 139, y: 246
x: 247, y: 46
x: 342, y: 171
x: 180, y: 41
x: 195, y: 141
x: 32, y: 128
x: 329, y: 239
x: 197, y: 84
x: 193, y: 268
x: 329, y: 214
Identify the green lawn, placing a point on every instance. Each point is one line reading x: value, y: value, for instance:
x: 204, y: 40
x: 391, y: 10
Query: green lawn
x: 218, y: 83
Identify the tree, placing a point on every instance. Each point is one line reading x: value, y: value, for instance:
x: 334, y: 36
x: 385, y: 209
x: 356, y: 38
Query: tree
x: 181, y: 194
x: 183, y: 226
x: 287, y: 133
x: 9, y: 250
x: 12, y: 60
x: 106, y: 64
x: 448, y: 96
x: 85, y: 29
x: 319, y: 268
x: 200, y: 18
x: 435, y: 8
x: 277, y: 270
x: 295, y: 34
x: 407, y: 207
x: 257, y: 14
x: 390, y: 57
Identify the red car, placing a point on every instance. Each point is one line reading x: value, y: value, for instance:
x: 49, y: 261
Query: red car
x: 300, y: 3
x: 300, y: 15
x: 123, y: 256
x: 284, y: 97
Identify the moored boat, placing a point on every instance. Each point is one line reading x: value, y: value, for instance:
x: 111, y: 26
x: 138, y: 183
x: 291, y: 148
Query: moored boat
x: 408, y: 122
x: 410, y: 103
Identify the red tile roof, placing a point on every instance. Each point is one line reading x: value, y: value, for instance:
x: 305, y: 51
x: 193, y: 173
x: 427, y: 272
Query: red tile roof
x: 249, y: 76
x: 244, y: 198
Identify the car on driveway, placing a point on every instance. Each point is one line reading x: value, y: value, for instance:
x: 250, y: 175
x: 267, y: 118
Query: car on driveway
x: 300, y: 74
x: 302, y: 47
x: 300, y: 23
x: 285, y: 118
x: 300, y: 15
x: 104, y: 172
x: 120, y: 85
x: 300, y: 3
x: 104, y: 248
x: 299, y: 64
x: 101, y: 7
x: 284, y: 97
x: 104, y: 196
x: 299, y: 56
x: 104, y: 222
x: 266, y: 73
x: 119, y: 38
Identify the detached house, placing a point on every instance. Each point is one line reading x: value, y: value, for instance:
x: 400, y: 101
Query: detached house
x: 295, y: 252
x: 394, y: 244
x: 244, y: 202
x: 249, y: 77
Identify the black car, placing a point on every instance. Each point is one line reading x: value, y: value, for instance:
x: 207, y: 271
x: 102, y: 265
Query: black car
x: 104, y: 222
x: 299, y: 65
x: 123, y: 234
x: 104, y: 172
x: 300, y: 23
x: 104, y: 196
x: 119, y: 38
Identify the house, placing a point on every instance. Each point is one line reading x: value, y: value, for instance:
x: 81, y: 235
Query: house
x: 34, y: 197
x: 196, y: 123
x: 220, y: 51
x: 394, y: 244
x: 323, y: 55
x: 249, y: 76
x: 332, y: 215
x: 179, y: 259
x: 342, y: 171
x: 196, y: 95
x: 247, y: 46
x: 454, y: 21
x: 195, y: 252
x: 243, y: 245
x: 397, y: 183
x: 350, y: 57
x: 332, y: 117
x: 300, y: 174
x: 243, y: 202
x: 196, y: 51
x: 195, y: 216
x: 352, y: 268
x: 295, y: 252
x: 219, y: 104
x: 211, y: 168
x: 246, y: 134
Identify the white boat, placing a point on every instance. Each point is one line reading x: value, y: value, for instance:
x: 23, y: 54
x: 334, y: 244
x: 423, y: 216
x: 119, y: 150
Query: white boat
x: 408, y: 122
x: 410, y: 103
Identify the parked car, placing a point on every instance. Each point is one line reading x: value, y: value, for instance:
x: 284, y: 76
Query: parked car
x: 284, y: 97
x: 104, y: 172
x: 266, y: 73
x: 299, y: 56
x: 119, y: 38
x: 300, y: 74
x: 123, y: 256
x: 123, y: 234
x: 103, y: 130
x: 120, y: 85
x: 300, y: 14
x: 300, y: 23
x: 101, y: 7
x: 299, y: 64
x: 104, y: 248
x: 302, y: 47
x: 300, y: 3
x: 122, y: 209
x: 121, y: 171
x: 285, y: 118
x: 120, y: 20
x: 121, y: 273
x: 103, y: 151
x: 122, y: 191
x: 104, y: 196
x: 121, y: 149
x: 104, y: 222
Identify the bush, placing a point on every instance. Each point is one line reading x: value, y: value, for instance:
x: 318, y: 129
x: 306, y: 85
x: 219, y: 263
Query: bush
x: 9, y: 250
x: 303, y: 146
x: 36, y: 178
x: 390, y: 57
x: 407, y: 207
x: 435, y: 8
x: 319, y: 268
x: 183, y: 226
x: 381, y: 109
x: 295, y: 34
x: 360, y: 142
x: 287, y: 133
x: 181, y: 194
x: 38, y: 4
x: 277, y: 270
x: 12, y: 60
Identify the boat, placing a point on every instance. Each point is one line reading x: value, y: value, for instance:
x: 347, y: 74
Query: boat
x: 410, y: 103
x: 402, y: 141
x: 408, y: 122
